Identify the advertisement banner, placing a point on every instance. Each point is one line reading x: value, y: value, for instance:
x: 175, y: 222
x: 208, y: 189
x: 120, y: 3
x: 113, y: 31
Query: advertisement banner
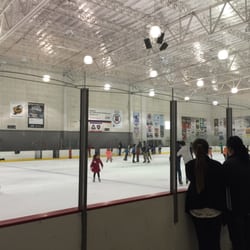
x: 35, y: 115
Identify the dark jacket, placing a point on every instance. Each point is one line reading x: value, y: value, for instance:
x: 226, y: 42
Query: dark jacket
x: 237, y: 178
x: 213, y: 195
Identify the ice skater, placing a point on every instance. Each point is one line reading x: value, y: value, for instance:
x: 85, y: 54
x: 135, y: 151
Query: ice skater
x: 145, y: 152
x: 96, y: 166
x: 126, y: 151
x: 186, y: 152
x: 109, y: 155
x: 133, y: 151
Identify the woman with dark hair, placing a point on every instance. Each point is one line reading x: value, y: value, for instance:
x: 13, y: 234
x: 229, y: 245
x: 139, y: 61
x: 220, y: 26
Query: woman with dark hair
x: 205, y: 200
x: 237, y: 176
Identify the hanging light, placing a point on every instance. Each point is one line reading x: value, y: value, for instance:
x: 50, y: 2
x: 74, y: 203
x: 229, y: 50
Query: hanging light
x: 186, y: 98
x: 234, y: 90
x: 107, y: 86
x: 151, y: 92
x: 223, y: 54
x: 155, y: 31
x: 215, y: 87
x: 200, y: 83
x: 46, y: 78
x: 215, y: 103
x: 153, y: 73
x: 88, y: 59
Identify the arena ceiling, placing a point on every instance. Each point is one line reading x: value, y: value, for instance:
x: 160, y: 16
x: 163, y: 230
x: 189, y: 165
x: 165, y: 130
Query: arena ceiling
x: 55, y: 35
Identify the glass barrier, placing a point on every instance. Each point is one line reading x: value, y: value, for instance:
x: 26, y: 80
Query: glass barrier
x: 39, y: 148
x: 40, y: 141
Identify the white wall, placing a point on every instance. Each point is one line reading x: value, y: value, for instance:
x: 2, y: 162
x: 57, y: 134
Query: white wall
x: 15, y: 91
x: 62, y: 107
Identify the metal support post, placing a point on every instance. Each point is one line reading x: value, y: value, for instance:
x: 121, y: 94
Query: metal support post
x: 173, y: 152
x: 83, y: 163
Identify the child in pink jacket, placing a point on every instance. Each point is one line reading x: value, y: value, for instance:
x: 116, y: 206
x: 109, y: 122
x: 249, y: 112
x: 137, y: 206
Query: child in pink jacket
x: 95, y: 166
x: 108, y: 155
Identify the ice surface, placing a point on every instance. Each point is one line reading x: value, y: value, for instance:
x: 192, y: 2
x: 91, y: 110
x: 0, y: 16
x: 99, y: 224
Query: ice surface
x: 40, y: 186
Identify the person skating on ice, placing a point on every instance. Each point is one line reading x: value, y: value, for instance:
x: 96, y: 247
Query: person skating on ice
x: 145, y: 152
x: 133, y: 151
x: 109, y: 155
x: 185, y: 153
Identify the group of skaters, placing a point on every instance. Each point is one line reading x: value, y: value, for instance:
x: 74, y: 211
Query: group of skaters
x: 144, y: 149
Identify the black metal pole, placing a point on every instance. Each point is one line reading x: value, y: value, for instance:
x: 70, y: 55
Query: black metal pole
x: 83, y: 164
x: 229, y: 122
x: 173, y: 153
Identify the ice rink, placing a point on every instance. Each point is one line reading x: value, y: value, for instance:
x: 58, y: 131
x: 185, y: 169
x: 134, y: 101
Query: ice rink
x: 40, y: 186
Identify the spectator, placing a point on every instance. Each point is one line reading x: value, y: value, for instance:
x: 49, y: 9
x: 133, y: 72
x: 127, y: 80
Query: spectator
x: 237, y: 175
x: 225, y: 152
x: 210, y: 152
x: 205, y: 200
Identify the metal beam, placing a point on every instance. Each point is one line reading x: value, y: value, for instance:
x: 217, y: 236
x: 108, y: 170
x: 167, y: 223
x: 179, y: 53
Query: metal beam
x: 15, y: 22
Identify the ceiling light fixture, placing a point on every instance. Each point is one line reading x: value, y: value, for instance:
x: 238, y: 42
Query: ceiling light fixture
x: 215, y: 103
x: 107, y: 86
x: 215, y: 87
x: 148, y: 43
x: 160, y: 38
x: 155, y: 31
x: 153, y: 73
x: 186, y: 98
x: 234, y: 90
x: 88, y: 59
x: 223, y: 54
x: 200, y: 83
x: 151, y: 92
x: 46, y: 78
x: 156, y: 37
x: 164, y: 46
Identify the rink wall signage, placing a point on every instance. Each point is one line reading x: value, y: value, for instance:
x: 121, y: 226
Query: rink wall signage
x: 136, y: 124
x: 17, y: 109
x: 193, y: 127
x: 35, y: 115
x: 101, y: 120
x: 154, y: 126
x: 241, y: 127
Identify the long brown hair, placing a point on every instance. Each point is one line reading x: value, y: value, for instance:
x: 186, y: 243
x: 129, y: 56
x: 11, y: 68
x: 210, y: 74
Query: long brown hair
x: 200, y: 148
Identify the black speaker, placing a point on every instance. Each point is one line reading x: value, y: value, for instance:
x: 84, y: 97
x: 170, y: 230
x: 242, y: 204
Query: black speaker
x: 147, y: 43
x: 164, y: 46
x: 160, y: 38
